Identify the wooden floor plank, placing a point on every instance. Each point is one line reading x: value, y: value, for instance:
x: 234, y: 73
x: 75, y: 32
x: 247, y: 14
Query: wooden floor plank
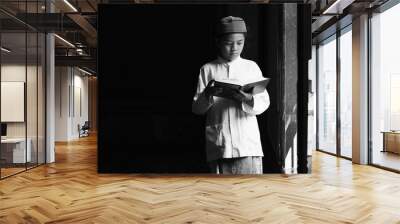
x: 71, y: 191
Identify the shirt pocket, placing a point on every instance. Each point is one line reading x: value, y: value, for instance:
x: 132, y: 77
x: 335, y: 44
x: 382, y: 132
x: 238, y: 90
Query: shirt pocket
x: 214, y: 134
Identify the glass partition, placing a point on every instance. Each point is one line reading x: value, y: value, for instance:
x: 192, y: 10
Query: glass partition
x: 33, y: 72
x: 41, y: 91
x: 14, y: 153
x: 41, y: 87
x: 31, y: 100
x: 385, y: 89
x: 312, y: 77
x: 22, y: 88
x: 327, y: 95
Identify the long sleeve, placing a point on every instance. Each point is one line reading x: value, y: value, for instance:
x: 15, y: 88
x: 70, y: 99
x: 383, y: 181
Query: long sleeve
x: 261, y: 103
x: 200, y: 103
x: 261, y: 100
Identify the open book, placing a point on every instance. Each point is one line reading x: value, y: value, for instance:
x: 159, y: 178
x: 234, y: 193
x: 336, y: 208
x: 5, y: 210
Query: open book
x: 231, y: 86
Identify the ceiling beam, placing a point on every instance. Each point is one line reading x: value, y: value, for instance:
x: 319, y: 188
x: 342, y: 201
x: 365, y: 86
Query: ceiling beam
x: 84, y: 61
x: 84, y: 24
x: 80, y: 20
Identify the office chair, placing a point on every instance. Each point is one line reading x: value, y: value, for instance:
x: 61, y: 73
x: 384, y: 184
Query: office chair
x: 84, y: 130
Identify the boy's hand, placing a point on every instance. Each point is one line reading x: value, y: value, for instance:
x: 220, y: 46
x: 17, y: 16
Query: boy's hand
x: 243, y: 97
x: 211, y: 90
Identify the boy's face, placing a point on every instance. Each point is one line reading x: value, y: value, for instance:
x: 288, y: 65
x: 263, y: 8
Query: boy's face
x: 231, y: 45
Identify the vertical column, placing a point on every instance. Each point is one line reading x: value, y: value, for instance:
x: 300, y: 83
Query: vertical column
x: 50, y: 92
x: 290, y: 87
x: 360, y: 90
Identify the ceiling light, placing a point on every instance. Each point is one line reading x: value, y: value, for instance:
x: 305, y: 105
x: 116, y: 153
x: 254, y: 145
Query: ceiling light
x: 338, y: 6
x: 65, y: 41
x: 70, y: 5
x: 5, y: 50
x: 84, y: 71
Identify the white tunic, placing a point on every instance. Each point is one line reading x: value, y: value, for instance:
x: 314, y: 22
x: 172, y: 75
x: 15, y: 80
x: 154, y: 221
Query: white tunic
x: 231, y: 127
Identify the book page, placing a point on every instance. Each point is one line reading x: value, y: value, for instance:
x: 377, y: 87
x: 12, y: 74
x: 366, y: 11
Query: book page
x: 231, y: 81
x: 240, y: 82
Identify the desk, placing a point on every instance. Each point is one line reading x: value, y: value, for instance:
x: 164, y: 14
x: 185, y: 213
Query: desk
x: 13, y: 150
x: 391, y: 141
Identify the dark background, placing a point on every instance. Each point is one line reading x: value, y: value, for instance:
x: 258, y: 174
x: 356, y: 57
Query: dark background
x: 149, y: 60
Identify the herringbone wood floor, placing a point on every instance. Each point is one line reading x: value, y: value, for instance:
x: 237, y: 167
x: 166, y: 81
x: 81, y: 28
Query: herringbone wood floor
x: 71, y: 191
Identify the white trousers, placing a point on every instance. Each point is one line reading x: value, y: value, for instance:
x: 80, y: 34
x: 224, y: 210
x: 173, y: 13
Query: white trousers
x: 241, y: 165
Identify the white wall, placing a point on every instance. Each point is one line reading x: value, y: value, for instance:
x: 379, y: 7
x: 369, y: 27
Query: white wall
x: 80, y: 103
x: 17, y: 73
x: 13, y: 101
x: 71, y: 102
x: 33, y: 126
x: 62, y: 80
x: 14, y: 73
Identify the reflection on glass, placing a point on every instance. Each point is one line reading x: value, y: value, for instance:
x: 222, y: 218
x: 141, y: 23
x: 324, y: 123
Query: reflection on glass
x: 346, y: 94
x: 31, y: 101
x: 394, y: 101
x: 311, y: 142
x: 22, y: 89
x: 41, y: 98
x: 327, y: 96
x: 14, y: 153
x: 385, y: 87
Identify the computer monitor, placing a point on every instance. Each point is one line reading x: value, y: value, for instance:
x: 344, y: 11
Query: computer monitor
x: 3, y: 129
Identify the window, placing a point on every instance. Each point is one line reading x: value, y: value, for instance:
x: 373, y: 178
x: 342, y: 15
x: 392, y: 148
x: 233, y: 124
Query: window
x: 385, y: 88
x: 346, y: 75
x: 327, y: 95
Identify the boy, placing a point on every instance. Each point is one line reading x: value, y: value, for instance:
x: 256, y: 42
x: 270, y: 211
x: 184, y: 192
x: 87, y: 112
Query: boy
x: 233, y: 144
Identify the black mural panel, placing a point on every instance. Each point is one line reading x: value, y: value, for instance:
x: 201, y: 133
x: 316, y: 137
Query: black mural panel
x: 149, y: 60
